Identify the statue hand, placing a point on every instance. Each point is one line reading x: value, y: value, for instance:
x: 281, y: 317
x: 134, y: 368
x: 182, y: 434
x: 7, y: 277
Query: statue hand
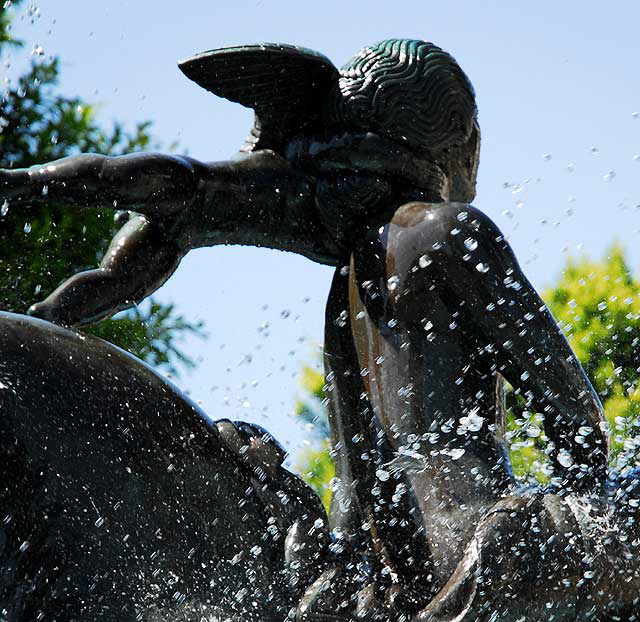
x: 252, y: 444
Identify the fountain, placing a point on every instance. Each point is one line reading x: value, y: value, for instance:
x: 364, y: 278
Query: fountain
x: 123, y: 504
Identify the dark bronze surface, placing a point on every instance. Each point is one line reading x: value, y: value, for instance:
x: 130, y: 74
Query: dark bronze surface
x: 120, y: 502
x: 370, y: 169
x: 323, y: 160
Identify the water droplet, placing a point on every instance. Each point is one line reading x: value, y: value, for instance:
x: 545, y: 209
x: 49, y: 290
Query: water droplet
x: 424, y: 261
x: 533, y: 431
x: 455, y: 454
x: 470, y: 244
x: 565, y: 458
x: 382, y: 475
x: 256, y: 550
x: 546, y: 157
x: 27, y: 227
x: 392, y: 282
x: 4, y: 210
x: 447, y: 426
x: 482, y: 267
x: 609, y: 176
x: 473, y: 422
x: 341, y: 320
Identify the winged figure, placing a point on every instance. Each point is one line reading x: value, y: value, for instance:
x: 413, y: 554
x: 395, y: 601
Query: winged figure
x: 371, y: 169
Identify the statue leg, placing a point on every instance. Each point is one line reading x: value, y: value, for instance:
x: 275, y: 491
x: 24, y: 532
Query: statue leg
x: 378, y: 578
x: 138, y: 261
x: 526, y: 561
x: 335, y: 589
x: 440, y: 310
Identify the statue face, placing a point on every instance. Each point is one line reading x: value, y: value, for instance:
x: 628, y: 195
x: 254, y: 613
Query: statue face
x: 449, y: 174
x: 463, y: 169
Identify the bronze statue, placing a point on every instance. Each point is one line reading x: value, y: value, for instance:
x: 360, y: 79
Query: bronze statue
x: 371, y: 169
x: 121, y: 502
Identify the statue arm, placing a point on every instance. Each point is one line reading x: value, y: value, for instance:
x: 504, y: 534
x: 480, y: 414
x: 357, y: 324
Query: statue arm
x: 147, y: 183
x: 471, y: 268
x: 258, y: 199
x: 534, y: 356
x: 181, y: 204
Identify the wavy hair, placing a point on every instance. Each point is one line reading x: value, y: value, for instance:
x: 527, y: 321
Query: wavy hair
x: 409, y: 90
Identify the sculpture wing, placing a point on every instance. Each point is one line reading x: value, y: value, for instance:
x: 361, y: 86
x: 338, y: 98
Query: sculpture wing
x: 286, y: 85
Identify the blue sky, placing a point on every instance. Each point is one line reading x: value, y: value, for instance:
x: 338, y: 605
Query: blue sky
x: 557, y: 85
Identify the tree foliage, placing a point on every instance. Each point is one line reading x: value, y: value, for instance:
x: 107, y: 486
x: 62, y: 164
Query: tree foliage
x: 315, y: 463
x: 41, y: 246
x: 597, y: 305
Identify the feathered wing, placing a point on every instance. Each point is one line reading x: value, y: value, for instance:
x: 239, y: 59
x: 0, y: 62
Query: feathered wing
x: 286, y: 85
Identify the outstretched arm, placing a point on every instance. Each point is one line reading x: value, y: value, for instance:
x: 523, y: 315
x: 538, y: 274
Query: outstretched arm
x: 259, y: 200
x: 147, y: 183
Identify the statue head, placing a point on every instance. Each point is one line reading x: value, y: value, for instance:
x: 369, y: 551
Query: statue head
x: 415, y: 94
